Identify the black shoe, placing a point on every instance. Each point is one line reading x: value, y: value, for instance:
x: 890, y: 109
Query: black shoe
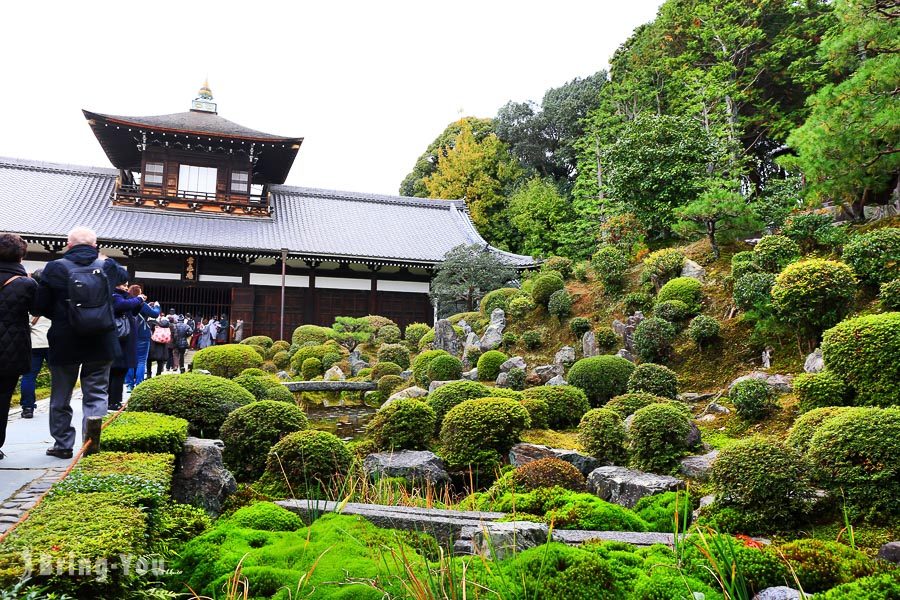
x: 27, y: 413
x: 59, y: 452
x: 114, y: 407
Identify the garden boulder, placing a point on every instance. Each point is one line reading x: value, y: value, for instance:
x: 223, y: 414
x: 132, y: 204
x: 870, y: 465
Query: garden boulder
x: 516, y: 362
x: 445, y: 338
x: 698, y: 465
x: 565, y: 357
x: 523, y: 453
x: 779, y: 383
x: 493, y: 335
x: 201, y: 478
x: 814, y: 362
x: 500, y: 540
x: 890, y: 552
x: 415, y: 466
x: 625, y: 487
x: 782, y: 592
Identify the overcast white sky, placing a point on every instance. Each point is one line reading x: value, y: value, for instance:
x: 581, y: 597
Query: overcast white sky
x: 367, y: 84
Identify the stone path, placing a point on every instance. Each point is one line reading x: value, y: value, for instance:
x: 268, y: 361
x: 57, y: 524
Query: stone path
x: 27, y: 472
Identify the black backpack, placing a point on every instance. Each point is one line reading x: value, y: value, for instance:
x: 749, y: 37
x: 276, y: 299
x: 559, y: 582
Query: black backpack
x: 90, y: 307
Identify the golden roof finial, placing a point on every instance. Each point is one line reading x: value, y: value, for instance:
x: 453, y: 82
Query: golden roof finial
x: 205, y: 92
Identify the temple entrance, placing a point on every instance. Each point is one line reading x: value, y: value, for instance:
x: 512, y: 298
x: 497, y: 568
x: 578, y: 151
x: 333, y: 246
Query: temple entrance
x: 202, y: 301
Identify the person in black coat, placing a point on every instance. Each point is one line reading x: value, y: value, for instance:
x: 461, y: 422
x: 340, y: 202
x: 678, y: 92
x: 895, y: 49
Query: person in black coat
x: 159, y: 351
x: 16, y: 301
x: 127, y: 307
x: 74, y: 355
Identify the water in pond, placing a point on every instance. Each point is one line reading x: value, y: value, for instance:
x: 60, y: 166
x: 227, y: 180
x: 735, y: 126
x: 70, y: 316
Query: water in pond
x: 346, y: 422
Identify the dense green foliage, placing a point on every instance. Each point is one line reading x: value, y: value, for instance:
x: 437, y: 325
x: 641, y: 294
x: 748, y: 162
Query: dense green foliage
x: 658, y: 437
x: 444, y: 368
x: 560, y: 304
x: 548, y: 473
x: 265, y: 516
x: 264, y: 387
x: 404, y: 424
x: 250, y: 431
x: 752, y: 398
x: 610, y: 264
x: 489, y: 364
x: 498, y: 299
x: 601, y: 377
x: 662, y: 266
x: 875, y: 256
x: 653, y: 339
x: 686, y: 289
x: 814, y: 295
x: 478, y: 432
x: 628, y: 404
x: 654, y: 379
x: 227, y: 360
x: 466, y: 274
x: 145, y: 432
x: 566, y: 404
x: 602, y: 434
x: 544, y: 287
x: 307, y: 461
x: 421, y: 363
x: 753, y: 291
x: 774, y: 252
x: 865, y: 353
x: 703, y: 330
x: 817, y: 390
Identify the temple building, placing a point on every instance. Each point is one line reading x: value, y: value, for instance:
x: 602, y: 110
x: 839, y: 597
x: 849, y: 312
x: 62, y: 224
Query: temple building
x: 196, y: 208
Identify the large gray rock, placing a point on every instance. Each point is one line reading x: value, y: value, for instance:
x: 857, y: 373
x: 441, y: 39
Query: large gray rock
x: 417, y: 467
x: 625, y: 487
x: 334, y: 374
x: 626, y: 329
x: 523, y: 453
x: 782, y: 592
x: 693, y: 270
x: 471, y: 375
x: 558, y: 380
x: 890, y: 552
x: 357, y: 366
x: 436, y: 384
x: 410, y: 392
x: 625, y: 354
x: 692, y: 439
x: 283, y: 375
x: 493, y: 335
x: 545, y: 373
x: 716, y: 408
x: 502, y: 380
x: 516, y: 362
x: 779, y: 383
x: 201, y: 478
x: 445, y: 338
x: 589, y: 345
x: 500, y: 540
x: 698, y: 466
x: 565, y: 357
x: 814, y: 362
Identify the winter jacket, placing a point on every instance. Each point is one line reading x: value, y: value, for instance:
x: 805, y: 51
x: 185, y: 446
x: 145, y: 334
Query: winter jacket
x: 16, y: 300
x: 66, y: 346
x: 158, y: 351
x: 124, y: 305
x: 147, y: 312
x: 205, y: 340
x: 181, y: 335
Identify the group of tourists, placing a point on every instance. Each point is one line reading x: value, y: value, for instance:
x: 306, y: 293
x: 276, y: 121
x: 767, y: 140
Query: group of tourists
x: 81, y: 317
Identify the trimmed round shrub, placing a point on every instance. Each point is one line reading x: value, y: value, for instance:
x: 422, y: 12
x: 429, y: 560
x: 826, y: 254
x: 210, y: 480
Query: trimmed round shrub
x: 566, y: 404
x: 560, y: 264
x: 498, y: 299
x: 823, y: 564
x: 311, y: 333
x: 444, y: 368
x: 601, y: 377
x: 662, y: 265
x: 311, y: 368
x: 673, y: 311
x: 658, y: 436
x: 309, y: 459
x: 805, y: 228
x: 489, y: 364
x: 317, y: 351
x: 857, y: 453
x: 261, y: 385
x: 601, y: 434
x: 282, y: 359
x: 227, y: 360
x: 389, y: 334
x: 385, y: 368
x: 269, y: 367
x: 560, y: 304
x: 331, y: 359
x: 145, y: 432
x: 250, y: 431
x: 774, y: 252
x: 404, y: 424
x: 704, y: 330
x: 266, y: 516
x: 753, y: 290
x: 610, y: 265
x: 875, y: 256
x: 606, y: 338
x: 387, y: 384
x: 395, y: 353
x: 808, y: 423
x: 480, y: 432
x: 686, y: 289
x: 742, y: 264
x: 654, y: 379
x: 447, y: 396
x: 548, y: 473
x: 537, y: 412
x: 814, y: 294
x: 543, y: 288
x: 254, y: 372
x: 520, y: 306
x: 630, y: 403
x: 376, y: 322
x: 533, y: 339
x: 865, y: 353
x: 515, y: 379
x: 653, y: 339
x: 579, y: 326
x: 421, y: 363
x: 753, y: 399
x: 282, y: 345
x: 415, y: 332
x: 202, y: 400
x: 764, y: 483
x: 637, y: 301
x: 261, y: 350
x: 817, y: 390
x: 258, y: 340
x: 889, y: 294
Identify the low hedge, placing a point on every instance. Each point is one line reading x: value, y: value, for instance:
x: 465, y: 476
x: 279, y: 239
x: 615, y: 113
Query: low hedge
x: 227, y: 360
x: 155, y: 467
x: 203, y: 400
x: 145, y: 432
x: 250, y: 431
x: 566, y: 404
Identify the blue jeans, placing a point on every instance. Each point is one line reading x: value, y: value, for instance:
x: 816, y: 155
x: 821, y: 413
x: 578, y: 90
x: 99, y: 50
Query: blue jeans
x: 29, y: 380
x: 138, y: 374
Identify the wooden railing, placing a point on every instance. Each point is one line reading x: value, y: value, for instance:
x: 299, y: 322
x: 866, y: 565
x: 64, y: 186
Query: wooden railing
x: 247, y: 203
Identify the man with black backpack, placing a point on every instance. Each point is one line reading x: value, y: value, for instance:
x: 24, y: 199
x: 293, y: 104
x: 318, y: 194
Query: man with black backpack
x: 75, y: 293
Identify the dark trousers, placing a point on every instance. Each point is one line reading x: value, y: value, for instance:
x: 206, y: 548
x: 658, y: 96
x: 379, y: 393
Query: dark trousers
x: 116, y: 383
x: 160, y: 365
x: 178, y: 358
x: 94, y: 396
x: 7, y: 387
x: 29, y: 380
x: 170, y: 361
